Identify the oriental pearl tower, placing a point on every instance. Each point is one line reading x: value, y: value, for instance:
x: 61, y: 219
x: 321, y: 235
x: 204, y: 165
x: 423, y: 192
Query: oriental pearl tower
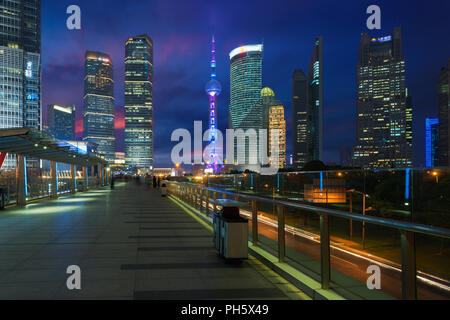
x: 213, y: 89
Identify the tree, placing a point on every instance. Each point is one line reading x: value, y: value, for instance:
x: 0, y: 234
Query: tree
x: 315, y: 165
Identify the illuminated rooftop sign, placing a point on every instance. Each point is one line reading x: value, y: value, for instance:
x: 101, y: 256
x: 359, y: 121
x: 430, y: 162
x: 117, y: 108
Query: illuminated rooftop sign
x: 244, y: 49
x: 382, y: 39
x: 62, y: 109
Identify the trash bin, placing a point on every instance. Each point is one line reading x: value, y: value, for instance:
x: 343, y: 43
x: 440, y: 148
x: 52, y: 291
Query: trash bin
x: 163, y: 190
x: 230, y: 230
x: 4, y: 197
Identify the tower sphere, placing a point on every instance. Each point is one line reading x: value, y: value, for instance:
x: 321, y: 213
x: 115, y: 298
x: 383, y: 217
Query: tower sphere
x: 267, y: 92
x: 213, y: 88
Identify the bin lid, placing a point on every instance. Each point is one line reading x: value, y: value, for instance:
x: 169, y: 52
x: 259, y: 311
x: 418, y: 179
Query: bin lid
x: 230, y: 203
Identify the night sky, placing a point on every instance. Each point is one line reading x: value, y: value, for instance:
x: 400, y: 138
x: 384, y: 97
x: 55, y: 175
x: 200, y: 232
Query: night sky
x: 181, y: 33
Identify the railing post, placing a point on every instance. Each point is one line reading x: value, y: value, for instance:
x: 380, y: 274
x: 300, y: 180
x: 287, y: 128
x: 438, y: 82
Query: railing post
x: 255, y: 222
x: 197, y: 199
x: 281, y: 235
x: 408, y: 243
x: 207, y: 203
x: 215, y: 198
x: 325, y: 251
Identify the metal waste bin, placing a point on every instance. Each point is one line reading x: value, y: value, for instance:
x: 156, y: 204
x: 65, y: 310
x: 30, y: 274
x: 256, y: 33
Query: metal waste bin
x: 4, y: 197
x: 230, y: 230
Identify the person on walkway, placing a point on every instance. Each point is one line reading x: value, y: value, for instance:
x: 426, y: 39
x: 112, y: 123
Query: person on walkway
x: 154, y: 182
x: 112, y: 182
x: 159, y: 182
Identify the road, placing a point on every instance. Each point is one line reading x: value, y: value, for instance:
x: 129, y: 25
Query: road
x: 351, y: 263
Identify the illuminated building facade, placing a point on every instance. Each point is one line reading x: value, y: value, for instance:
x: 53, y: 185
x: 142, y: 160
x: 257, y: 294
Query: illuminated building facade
x: 20, y: 66
x: 277, y: 122
x: 431, y: 142
x: 273, y: 119
x: 307, y: 110
x: 61, y: 122
x: 98, y: 104
x: 444, y: 116
x: 139, y: 103
x: 302, y: 121
x: 245, y: 110
x: 384, y: 109
x: 213, y: 89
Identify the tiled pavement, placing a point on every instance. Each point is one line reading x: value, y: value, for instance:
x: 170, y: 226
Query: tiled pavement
x: 130, y: 243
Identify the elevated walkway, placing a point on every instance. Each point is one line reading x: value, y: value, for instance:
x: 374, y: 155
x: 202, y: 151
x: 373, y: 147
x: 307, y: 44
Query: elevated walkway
x: 130, y: 243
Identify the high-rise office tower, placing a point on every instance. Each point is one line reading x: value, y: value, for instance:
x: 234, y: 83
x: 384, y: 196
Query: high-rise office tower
x: 98, y: 104
x: 277, y: 122
x: 61, y: 122
x: 431, y: 142
x: 273, y: 119
x: 245, y: 96
x: 384, y: 109
x: 20, y: 65
x: 139, y: 103
x: 302, y: 121
x: 307, y: 110
x: 315, y: 83
x: 444, y: 116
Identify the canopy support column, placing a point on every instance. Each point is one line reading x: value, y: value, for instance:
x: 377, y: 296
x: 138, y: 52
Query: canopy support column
x: 54, y: 174
x: 20, y: 181
x: 73, y: 178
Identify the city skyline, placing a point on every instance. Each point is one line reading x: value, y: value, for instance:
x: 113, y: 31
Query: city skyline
x: 281, y: 56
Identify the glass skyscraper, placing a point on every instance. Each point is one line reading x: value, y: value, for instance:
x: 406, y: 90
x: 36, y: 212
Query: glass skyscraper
x: 245, y: 110
x: 302, y: 120
x: 444, y: 116
x: 20, y: 65
x: 431, y: 142
x: 98, y: 104
x: 315, y: 82
x: 307, y: 110
x: 139, y: 103
x: 61, y: 122
x: 384, y: 109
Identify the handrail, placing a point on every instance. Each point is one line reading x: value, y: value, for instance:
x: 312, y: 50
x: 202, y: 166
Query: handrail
x: 195, y: 195
x: 391, y: 223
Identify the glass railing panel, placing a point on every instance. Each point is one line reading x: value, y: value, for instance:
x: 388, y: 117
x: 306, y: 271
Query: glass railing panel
x: 433, y: 272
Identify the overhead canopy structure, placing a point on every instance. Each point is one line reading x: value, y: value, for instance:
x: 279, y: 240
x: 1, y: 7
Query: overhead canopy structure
x: 30, y: 142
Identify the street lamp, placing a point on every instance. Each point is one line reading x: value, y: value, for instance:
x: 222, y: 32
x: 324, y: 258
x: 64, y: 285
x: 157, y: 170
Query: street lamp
x: 363, y: 212
x: 436, y: 175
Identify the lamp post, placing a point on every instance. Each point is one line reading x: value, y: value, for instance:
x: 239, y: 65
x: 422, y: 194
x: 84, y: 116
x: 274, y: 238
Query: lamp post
x: 363, y: 212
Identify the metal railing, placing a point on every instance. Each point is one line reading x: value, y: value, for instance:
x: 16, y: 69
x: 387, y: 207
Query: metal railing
x: 197, y: 195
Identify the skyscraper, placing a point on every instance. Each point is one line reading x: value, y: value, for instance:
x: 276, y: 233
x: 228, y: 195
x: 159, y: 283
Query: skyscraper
x: 277, y: 122
x: 139, y: 102
x: 213, y: 89
x: 273, y: 119
x: 245, y: 96
x: 307, y: 110
x: 431, y: 142
x: 384, y: 109
x: 98, y: 104
x: 20, y: 65
x: 61, y: 122
x: 444, y: 116
x: 302, y: 121
x: 315, y: 82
